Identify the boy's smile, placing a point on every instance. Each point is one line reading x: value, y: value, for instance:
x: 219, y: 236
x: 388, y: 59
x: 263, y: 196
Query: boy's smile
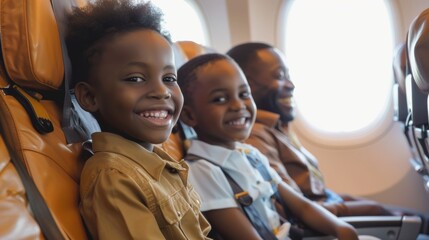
x: 133, y: 88
x: 222, y: 107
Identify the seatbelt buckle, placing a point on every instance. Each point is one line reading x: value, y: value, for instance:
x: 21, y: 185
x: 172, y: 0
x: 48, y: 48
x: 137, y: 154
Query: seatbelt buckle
x: 282, y: 232
x: 243, y: 198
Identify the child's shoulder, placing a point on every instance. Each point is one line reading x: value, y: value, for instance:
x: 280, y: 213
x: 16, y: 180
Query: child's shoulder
x: 247, y: 148
x: 103, y: 161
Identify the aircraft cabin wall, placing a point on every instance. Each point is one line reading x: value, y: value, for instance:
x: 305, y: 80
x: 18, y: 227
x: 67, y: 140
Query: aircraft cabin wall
x: 377, y: 167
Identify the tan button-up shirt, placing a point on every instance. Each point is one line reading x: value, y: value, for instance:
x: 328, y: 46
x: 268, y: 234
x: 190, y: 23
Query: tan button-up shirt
x: 293, y: 162
x: 128, y: 192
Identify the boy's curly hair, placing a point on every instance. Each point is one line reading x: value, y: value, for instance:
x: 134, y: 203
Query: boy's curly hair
x: 97, y: 20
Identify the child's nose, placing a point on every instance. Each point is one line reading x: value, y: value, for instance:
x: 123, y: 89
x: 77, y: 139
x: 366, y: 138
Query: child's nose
x: 237, y: 104
x: 160, y: 91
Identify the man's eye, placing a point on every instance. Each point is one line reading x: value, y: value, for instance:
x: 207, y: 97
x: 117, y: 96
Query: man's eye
x: 170, y: 79
x: 134, y: 79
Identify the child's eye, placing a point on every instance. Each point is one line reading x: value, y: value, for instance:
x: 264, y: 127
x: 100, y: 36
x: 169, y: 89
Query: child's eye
x: 134, y: 79
x: 245, y: 95
x: 170, y: 79
x: 219, y: 99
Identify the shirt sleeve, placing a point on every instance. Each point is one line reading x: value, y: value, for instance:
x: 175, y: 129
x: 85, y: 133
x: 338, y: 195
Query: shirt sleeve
x: 211, y: 184
x: 113, y: 208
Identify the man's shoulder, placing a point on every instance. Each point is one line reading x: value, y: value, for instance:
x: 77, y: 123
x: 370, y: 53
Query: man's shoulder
x: 261, y: 131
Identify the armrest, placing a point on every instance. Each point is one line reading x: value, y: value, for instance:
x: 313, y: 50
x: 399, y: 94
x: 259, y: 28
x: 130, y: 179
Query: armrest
x: 382, y: 227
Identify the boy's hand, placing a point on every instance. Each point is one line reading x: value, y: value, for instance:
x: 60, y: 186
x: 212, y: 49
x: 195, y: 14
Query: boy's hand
x: 346, y: 232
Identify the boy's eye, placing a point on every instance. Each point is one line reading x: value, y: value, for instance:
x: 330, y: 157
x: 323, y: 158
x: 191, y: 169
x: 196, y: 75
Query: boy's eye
x: 134, y: 79
x: 170, y: 79
x: 245, y: 95
x: 219, y: 99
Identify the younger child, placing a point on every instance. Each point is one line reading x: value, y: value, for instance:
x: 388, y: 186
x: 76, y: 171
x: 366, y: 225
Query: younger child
x: 219, y: 106
x: 124, y: 74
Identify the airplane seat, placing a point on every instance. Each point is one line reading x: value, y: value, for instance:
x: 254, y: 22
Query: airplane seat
x: 403, y: 113
x: 31, y: 98
x: 16, y: 221
x: 399, y: 97
x: 418, y: 88
x: 192, y: 49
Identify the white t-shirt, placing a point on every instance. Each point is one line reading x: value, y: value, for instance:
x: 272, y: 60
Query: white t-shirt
x: 213, y: 187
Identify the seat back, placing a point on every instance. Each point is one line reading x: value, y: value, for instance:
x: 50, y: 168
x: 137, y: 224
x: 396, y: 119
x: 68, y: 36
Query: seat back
x: 31, y: 77
x: 418, y: 87
x: 399, y: 97
x: 16, y: 221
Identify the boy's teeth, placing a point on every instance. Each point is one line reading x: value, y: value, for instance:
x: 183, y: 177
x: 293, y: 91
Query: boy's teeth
x: 239, y: 121
x: 155, y: 114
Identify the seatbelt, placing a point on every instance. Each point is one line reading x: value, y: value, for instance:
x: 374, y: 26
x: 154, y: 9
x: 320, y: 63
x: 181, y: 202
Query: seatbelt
x: 74, y: 118
x: 258, y: 165
x: 41, y: 212
x: 295, y: 231
x: 245, y: 202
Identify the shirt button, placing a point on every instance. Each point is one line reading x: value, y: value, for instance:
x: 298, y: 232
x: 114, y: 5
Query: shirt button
x: 179, y: 213
x: 258, y: 182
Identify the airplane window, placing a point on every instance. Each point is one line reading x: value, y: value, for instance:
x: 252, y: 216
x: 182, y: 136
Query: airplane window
x: 184, y: 20
x: 339, y: 54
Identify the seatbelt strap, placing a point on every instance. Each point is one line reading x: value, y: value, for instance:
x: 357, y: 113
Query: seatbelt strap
x: 295, y: 231
x: 74, y: 119
x: 258, y: 165
x: 41, y: 212
x: 245, y: 202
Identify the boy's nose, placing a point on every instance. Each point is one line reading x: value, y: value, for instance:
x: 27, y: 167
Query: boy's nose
x: 160, y: 91
x: 237, y: 104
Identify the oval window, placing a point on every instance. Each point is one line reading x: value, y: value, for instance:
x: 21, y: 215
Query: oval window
x: 184, y: 20
x: 339, y: 55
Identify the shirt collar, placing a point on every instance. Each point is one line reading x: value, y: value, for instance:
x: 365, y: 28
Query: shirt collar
x: 153, y: 162
x: 267, y: 118
x: 216, y: 154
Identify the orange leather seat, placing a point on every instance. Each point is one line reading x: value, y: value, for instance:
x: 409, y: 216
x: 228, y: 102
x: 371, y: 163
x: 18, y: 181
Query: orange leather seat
x: 33, y: 69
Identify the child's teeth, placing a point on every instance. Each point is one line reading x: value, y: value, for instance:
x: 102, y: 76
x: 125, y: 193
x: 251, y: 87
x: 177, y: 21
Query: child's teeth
x: 155, y: 114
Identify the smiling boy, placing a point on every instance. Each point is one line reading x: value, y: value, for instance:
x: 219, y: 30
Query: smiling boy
x: 124, y: 74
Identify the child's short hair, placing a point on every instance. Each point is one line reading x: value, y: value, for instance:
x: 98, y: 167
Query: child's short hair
x: 245, y: 52
x: 87, y: 25
x: 186, y: 74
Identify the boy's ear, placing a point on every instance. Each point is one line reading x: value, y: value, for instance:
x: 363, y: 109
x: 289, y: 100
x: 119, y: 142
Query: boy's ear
x: 188, y: 116
x: 85, y: 96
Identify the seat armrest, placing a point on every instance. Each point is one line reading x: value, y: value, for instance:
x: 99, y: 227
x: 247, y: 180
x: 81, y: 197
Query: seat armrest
x: 382, y: 227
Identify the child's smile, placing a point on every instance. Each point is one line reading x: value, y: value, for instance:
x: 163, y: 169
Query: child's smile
x: 240, y: 123
x: 135, y: 92
x: 222, y: 107
x: 157, y: 117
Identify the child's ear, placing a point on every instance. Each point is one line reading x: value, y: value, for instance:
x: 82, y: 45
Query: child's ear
x: 188, y: 116
x: 85, y: 96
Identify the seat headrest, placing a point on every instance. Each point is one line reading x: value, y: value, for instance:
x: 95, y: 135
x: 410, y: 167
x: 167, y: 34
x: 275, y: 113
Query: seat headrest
x: 399, y: 65
x: 418, y: 50
x: 193, y: 49
x: 31, y: 44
